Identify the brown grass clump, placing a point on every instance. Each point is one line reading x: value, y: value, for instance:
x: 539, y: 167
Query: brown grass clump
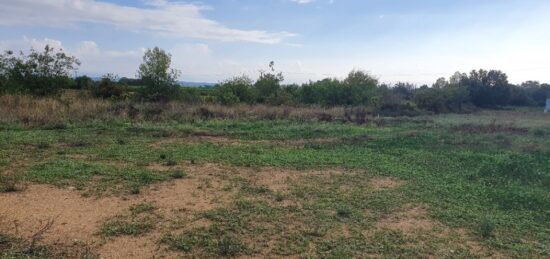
x: 75, y: 106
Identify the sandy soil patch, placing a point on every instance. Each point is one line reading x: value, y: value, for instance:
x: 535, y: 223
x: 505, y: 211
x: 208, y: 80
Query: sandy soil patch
x: 381, y: 183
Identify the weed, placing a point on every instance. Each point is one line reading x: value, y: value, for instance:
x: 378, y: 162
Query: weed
x: 9, y: 182
x: 344, y: 211
x: 119, y: 227
x: 135, y: 189
x: 171, y: 163
x: 177, y: 174
x: 142, y: 208
x: 486, y: 227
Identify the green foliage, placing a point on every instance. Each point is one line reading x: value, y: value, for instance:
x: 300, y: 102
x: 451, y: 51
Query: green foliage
x: 268, y: 84
x: 177, y: 174
x: 486, y: 227
x: 108, y: 88
x: 83, y: 82
x: 236, y: 90
x: 156, y: 74
x: 442, y: 99
x: 38, y: 73
x: 119, y: 227
x: 488, y: 88
x: 142, y: 208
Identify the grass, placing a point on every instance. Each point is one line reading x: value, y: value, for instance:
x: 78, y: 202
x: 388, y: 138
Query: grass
x: 118, y: 227
x: 138, y: 220
x: 484, y: 179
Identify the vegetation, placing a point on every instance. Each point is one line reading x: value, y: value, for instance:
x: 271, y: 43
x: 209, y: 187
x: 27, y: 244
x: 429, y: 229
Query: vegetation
x: 261, y: 169
x: 38, y: 73
x: 47, y: 73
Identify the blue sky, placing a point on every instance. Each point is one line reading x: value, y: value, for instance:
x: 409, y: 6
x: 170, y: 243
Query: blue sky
x: 395, y: 40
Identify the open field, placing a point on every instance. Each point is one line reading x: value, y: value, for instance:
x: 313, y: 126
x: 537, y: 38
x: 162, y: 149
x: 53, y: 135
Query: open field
x: 458, y: 186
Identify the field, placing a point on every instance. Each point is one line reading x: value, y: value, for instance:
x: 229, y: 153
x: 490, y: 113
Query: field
x: 444, y: 186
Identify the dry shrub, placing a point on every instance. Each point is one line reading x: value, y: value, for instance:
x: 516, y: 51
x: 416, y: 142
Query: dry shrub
x: 34, y: 111
x: 73, y: 106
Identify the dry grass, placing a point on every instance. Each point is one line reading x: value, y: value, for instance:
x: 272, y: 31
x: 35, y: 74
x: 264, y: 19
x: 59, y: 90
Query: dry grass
x: 77, y: 106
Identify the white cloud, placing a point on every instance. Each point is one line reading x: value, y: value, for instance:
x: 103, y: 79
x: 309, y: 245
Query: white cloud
x: 174, y: 19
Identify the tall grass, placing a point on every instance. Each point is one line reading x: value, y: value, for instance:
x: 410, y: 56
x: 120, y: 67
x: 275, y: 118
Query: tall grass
x: 72, y: 106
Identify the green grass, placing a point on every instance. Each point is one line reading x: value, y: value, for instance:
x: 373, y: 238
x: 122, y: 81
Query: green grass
x: 493, y: 185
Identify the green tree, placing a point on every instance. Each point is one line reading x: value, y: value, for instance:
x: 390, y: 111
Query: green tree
x: 360, y: 87
x: 83, y: 82
x: 268, y: 84
x: 488, y: 88
x: 38, y: 73
x: 159, y: 79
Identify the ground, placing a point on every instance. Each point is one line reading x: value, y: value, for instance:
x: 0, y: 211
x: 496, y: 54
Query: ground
x: 460, y: 186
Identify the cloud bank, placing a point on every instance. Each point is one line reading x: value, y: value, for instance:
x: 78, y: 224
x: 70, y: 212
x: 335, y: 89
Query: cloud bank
x: 172, y: 19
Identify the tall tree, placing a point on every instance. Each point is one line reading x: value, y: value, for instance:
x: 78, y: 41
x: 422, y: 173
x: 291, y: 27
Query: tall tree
x: 160, y: 80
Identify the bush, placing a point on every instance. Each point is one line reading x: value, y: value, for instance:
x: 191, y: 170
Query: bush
x: 236, y: 90
x: 486, y: 228
x: 107, y: 88
x: 9, y: 183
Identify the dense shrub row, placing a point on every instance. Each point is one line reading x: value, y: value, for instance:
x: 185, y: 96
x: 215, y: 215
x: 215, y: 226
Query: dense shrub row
x: 48, y: 72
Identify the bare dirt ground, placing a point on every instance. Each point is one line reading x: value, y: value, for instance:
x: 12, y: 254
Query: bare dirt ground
x: 207, y: 186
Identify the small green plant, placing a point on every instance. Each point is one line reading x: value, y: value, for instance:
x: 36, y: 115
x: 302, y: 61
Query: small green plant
x: 119, y: 227
x: 177, y: 174
x: 162, y: 156
x: 229, y: 246
x: 486, y: 228
x: 142, y: 208
x: 344, y: 211
x: 135, y: 189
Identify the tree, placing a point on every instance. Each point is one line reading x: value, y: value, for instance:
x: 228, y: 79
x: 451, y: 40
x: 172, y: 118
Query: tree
x: 159, y: 79
x: 83, y: 82
x: 457, y: 78
x: 488, y: 88
x: 360, y: 87
x: 38, y: 73
x: 440, y: 83
x: 268, y: 83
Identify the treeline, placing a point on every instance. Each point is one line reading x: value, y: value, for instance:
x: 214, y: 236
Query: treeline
x: 48, y: 73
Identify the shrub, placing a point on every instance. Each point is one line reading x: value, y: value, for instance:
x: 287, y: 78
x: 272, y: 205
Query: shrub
x: 486, y: 228
x: 9, y: 182
x: 236, y: 90
x: 344, y: 211
x: 107, y: 88
x: 177, y: 174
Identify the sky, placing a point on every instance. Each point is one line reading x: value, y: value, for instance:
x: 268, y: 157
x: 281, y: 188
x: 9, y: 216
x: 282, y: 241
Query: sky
x: 415, y: 41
